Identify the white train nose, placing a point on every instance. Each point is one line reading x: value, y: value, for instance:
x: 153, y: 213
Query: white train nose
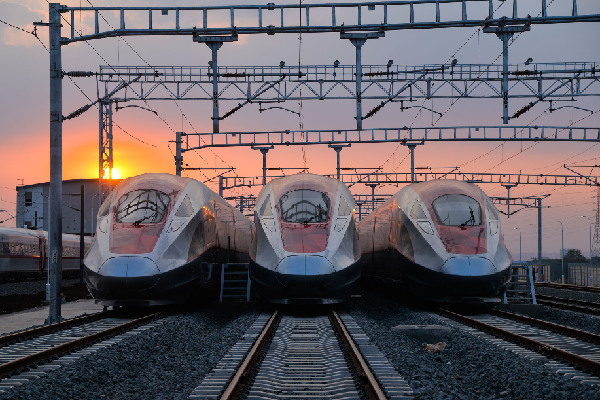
x: 305, y: 265
x: 132, y: 273
x: 468, y: 266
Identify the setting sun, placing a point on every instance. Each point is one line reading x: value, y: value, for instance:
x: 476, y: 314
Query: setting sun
x: 115, y: 174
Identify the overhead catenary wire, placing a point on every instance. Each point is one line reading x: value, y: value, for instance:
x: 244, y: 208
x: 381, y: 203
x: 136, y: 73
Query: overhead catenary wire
x: 149, y: 107
x: 175, y: 101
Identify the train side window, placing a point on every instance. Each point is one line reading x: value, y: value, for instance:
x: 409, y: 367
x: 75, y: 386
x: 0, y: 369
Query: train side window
x: 417, y: 211
x: 185, y: 209
x: 266, y: 210
x: 344, y: 209
x: 105, y: 207
x: 492, y: 212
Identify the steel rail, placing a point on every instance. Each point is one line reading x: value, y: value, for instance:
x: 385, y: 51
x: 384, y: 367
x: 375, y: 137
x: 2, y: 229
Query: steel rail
x: 22, y: 363
x: 46, y: 329
x: 239, y: 379
x: 590, y: 365
x: 374, y: 390
x: 569, y: 304
x: 568, y: 286
x: 562, y: 329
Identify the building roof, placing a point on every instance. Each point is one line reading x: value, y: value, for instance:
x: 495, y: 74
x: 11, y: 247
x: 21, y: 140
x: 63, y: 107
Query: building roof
x: 80, y: 181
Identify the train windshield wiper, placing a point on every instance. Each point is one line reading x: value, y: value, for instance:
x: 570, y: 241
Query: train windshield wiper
x: 139, y: 221
x: 471, y: 219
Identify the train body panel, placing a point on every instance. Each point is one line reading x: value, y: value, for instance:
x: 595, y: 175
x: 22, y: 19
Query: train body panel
x: 306, y: 246
x: 158, y: 235
x: 23, y: 252
x: 439, y: 240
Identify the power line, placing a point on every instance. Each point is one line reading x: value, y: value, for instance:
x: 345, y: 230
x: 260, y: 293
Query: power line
x: 162, y: 83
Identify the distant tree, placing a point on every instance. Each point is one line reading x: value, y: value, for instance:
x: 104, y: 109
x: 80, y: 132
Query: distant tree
x: 574, y: 256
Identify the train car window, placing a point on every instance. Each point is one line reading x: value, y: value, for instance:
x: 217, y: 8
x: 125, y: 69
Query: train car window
x: 266, y: 210
x: 344, y: 209
x: 146, y: 206
x: 304, y: 206
x: 492, y: 211
x: 417, y: 212
x: 457, y: 210
x: 185, y: 209
x: 105, y: 208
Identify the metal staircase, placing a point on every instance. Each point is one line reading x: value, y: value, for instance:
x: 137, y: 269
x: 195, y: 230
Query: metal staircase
x: 520, y: 288
x: 235, y: 282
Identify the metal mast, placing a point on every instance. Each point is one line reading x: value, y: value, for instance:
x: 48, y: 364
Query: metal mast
x: 595, y: 252
x: 55, y: 227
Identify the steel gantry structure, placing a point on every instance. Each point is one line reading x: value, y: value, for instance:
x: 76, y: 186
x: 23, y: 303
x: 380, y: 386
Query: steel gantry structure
x: 205, y: 25
x: 388, y: 83
x: 411, y: 137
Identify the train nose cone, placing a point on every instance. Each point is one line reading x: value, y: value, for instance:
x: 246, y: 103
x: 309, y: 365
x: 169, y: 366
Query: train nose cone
x: 305, y: 265
x: 124, y: 276
x: 468, y: 266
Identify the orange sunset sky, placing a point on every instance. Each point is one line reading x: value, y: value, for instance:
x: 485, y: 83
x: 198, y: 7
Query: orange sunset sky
x: 143, y: 143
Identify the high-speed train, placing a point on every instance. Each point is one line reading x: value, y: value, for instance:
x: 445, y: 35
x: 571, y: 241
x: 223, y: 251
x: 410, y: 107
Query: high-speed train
x: 156, y: 240
x: 439, y: 240
x: 305, y: 248
x: 23, y: 253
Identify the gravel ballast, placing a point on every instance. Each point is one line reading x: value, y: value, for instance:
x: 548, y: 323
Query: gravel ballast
x: 468, y: 368
x: 165, y: 362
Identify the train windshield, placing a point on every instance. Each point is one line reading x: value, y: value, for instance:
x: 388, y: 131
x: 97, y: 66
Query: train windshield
x: 304, y: 206
x: 457, y: 210
x: 145, y: 206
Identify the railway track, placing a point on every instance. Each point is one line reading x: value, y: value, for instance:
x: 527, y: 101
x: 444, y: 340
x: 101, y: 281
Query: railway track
x: 568, y: 286
x: 588, y: 307
x: 26, y: 351
x: 578, y: 348
x: 320, y: 357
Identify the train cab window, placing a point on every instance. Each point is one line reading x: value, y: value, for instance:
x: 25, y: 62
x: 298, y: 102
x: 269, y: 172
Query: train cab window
x: 344, y: 209
x: 146, y: 206
x: 304, y: 206
x: 457, y: 210
x: 266, y: 210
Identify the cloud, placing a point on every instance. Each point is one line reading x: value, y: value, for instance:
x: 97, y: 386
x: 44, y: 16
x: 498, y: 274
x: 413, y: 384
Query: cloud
x: 22, y: 15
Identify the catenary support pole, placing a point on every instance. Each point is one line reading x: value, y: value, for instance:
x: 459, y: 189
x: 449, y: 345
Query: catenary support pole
x: 411, y: 146
x: 358, y: 40
x: 214, y: 43
x: 55, y: 197
x: 338, y: 148
x: 214, y: 47
x: 81, y: 231
x: 505, y: 33
x: 373, y: 195
x: 539, y: 207
x: 178, y: 155
x: 264, y: 150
